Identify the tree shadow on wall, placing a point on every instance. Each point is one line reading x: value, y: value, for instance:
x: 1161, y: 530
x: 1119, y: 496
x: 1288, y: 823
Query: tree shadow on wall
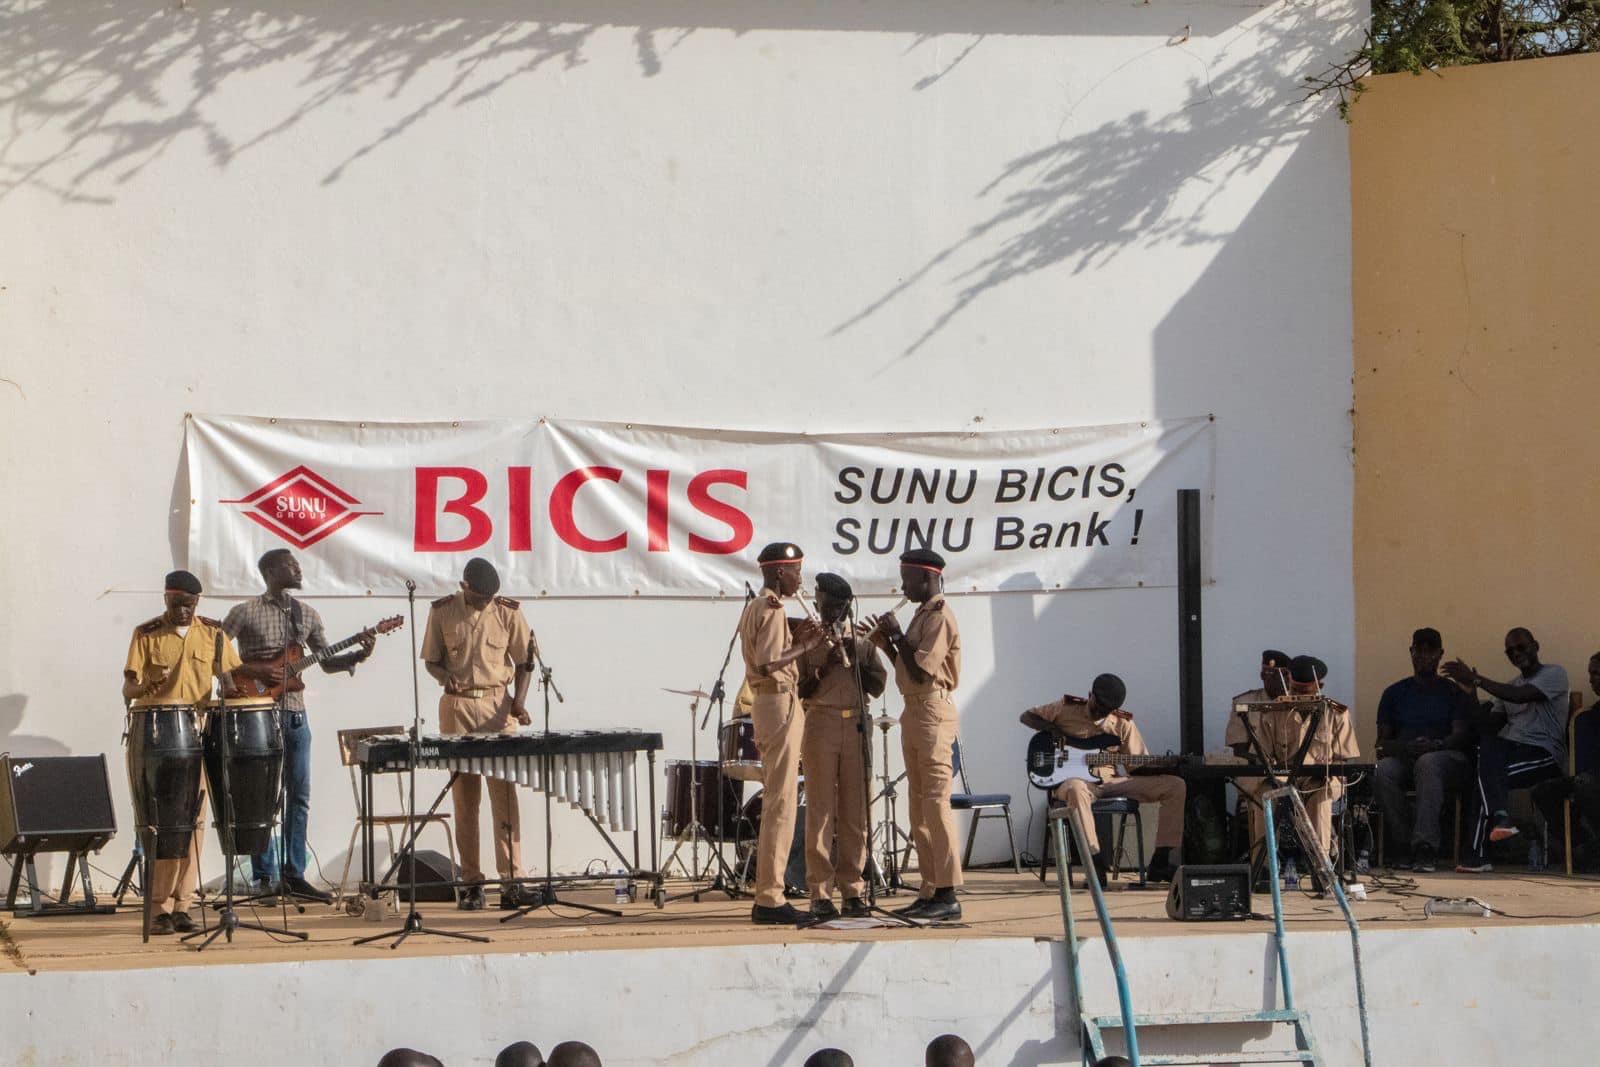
x: 126, y: 82
x: 1144, y: 180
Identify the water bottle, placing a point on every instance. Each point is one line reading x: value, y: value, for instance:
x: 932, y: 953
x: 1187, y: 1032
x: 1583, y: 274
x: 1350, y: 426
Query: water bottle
x: 1536, y: 856
x: 619, y: 888
x: 1291, y: 878
x: 1363, y: 862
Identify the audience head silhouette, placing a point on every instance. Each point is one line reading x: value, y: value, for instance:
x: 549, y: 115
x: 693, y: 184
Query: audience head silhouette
x: 948, y: 1050
x: 408, y: 1057
x: 830, y: 1057
x: 520, y: 1054
x: 573, y: 1054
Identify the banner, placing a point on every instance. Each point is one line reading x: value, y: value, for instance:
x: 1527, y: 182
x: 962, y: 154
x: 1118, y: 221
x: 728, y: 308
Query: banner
x: 570, y: 509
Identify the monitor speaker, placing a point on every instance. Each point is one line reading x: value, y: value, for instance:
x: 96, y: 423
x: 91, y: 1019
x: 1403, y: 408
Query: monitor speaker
x: 434, y: 875
x: 1210, y: 892
x: 55, y: 804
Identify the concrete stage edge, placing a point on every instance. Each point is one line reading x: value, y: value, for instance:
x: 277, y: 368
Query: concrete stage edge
x: 1459, y: 995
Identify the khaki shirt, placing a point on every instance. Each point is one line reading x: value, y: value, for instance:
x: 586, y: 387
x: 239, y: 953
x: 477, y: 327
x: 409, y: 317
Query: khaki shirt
x: 157, y: 646
x: 1071, y: 716
x: 1282, y: 734
x: 763, y: 637
x: 837, y: 689
x: 480, y: 648
x: 936, y: 640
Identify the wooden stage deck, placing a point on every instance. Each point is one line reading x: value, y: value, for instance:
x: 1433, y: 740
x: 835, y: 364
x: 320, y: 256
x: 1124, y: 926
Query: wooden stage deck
x: 996, y: 904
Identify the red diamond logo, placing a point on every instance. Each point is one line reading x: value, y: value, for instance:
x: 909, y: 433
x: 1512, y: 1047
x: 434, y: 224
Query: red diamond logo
x: 301, y: 506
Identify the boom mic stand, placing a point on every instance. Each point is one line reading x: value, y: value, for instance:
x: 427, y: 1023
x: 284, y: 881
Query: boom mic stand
x: 545, y: 895
x: 414, y: 923
x: 726, y: 881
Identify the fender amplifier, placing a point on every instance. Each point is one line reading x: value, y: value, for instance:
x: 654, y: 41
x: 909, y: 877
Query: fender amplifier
x: 55, y: 804
x: 1210, y: 892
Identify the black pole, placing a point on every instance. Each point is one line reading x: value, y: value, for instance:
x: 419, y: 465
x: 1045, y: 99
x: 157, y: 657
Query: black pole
x: 1191, y: 696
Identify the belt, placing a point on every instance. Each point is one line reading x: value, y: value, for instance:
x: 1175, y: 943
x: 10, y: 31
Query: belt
x: 843, y: 713
x: 477, y: 691
x: 937, y: 691
x: 769, y: 688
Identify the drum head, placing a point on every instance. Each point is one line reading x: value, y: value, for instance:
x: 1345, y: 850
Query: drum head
x: 250, y: 703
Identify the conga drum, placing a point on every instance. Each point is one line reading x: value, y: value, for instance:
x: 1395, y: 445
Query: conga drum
x: 165, y: 757
x: 244, y: 766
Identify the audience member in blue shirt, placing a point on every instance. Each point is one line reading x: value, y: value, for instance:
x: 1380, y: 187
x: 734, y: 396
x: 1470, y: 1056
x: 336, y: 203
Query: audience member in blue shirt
x: 1424, y: 735
x: 1582, y: 786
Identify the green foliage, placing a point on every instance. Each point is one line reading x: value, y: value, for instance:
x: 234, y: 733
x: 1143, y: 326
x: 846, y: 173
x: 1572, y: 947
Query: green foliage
x: 1428, y: 35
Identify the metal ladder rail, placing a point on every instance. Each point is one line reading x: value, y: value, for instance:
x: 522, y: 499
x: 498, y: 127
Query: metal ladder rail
x: 1092, y: 1041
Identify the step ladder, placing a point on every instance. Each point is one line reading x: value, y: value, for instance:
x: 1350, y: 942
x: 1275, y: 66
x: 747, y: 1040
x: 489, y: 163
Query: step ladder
x: 1094, y: 1027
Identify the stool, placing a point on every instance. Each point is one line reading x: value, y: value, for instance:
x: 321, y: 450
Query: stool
x: 1120, y: 808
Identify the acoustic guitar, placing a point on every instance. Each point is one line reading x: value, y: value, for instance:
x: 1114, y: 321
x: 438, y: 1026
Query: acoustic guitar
x: 298, y: 661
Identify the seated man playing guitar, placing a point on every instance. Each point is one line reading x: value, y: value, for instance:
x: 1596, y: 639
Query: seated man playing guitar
x: 1058, y: 757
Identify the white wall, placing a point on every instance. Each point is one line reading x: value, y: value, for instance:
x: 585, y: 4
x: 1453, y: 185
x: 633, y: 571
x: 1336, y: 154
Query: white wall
x: 1434, y: 997
x: 881, y: 215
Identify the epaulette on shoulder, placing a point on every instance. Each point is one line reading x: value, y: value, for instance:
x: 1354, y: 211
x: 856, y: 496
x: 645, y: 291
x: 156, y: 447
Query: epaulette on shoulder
x: 1336, y: 706
x: 1123, y: 713
x: 153, y: 625
x: 1241, y: 696
x: 213, y: 623
x: 507, y: 602
x: 1068, y: 698
x: 442, y: 601
x: 774, y: 602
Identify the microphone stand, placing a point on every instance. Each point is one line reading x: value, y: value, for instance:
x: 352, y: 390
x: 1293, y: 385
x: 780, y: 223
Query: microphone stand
x: 413, y: 922
x: 545, y: 895
x: 726, y: 881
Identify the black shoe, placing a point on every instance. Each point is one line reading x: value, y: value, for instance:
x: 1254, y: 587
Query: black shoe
x: 1423, y: 858
x: 266, y: 893
x: 161, y: 926
x: 912, y: 910
x: 471, y: 899
x: 297, y: 885
x: 935, y: 911
x: 181, y: 923
x: 782, y: 915
x: 856, y: 908
x: 1162, y: 871
x: 823, y: 910
x: 514, y: 897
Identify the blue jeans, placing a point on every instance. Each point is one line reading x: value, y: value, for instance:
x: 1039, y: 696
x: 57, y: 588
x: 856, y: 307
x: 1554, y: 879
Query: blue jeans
x: 296, y: 803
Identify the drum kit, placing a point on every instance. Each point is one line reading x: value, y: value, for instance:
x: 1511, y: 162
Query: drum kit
x: 237, y: 743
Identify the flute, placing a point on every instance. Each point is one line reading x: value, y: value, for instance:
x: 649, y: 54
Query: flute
x: 902, y: 602
x: 827, y: 631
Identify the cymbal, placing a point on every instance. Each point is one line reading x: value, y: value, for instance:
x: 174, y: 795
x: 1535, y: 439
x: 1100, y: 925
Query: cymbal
x: 883, y: 722
x: 698, y: 694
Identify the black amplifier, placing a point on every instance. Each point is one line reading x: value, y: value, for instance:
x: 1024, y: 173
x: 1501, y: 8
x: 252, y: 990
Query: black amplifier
x: 1210, y: 892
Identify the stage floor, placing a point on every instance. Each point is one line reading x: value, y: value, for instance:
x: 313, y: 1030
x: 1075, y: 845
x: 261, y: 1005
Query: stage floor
x: 997, y: 904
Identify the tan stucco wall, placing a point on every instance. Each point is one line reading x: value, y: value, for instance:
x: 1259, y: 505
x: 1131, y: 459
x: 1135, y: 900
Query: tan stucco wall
x: 1477, y: 365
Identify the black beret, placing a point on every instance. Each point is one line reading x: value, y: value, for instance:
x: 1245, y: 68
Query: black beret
x: 834, y: 586
x: 182, y: 582
x: 1274, y: 657
x: 1304, y: 669
x: 780, y: 552
x: 1110, y: 691
x: 481, y: 577
x: 923, y: 557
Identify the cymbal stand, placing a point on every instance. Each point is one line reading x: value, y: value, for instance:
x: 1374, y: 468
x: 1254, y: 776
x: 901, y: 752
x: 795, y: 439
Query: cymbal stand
x: 545, y: 895
x: 726, y: 881
x: 895, y: 841
x: 413, y: 923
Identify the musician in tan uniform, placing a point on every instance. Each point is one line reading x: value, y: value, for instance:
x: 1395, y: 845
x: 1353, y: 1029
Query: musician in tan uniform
x: 927, y: 669
x: 836, y: 785
x: 171, y: 660
x: 1282, y: 735
x: 480, y: 648
x: 771, y: 651
x: 1102, y: 716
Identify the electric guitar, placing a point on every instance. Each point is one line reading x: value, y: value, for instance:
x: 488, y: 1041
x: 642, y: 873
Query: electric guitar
x: 298, y: 661
x: 1053, y: 759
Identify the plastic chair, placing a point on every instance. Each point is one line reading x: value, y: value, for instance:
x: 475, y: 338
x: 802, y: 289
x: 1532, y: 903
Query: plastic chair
x: 1119, y: 808
x: 982, y: 806
x: 348, y: 740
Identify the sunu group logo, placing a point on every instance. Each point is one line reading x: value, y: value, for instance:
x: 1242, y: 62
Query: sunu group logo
x: 301, y: 507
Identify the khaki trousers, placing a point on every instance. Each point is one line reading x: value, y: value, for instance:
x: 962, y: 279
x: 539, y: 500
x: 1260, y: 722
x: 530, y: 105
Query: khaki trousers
x: 779, y: 723
x: 174, y: 883
x: 927, y: 739
x: 1164, y: 789
x: 1318, y: 797
x: 835, y: 803
x: 490, y: 714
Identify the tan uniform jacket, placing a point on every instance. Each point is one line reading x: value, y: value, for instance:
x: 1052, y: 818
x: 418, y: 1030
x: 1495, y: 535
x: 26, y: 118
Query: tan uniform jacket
x: 1071, y: 715
x: 157, y: 646
x: 1282, y: 734
x: 936, y: 641
x: 763, y: 637
x: 837, y: 689
x: 478, y: 648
